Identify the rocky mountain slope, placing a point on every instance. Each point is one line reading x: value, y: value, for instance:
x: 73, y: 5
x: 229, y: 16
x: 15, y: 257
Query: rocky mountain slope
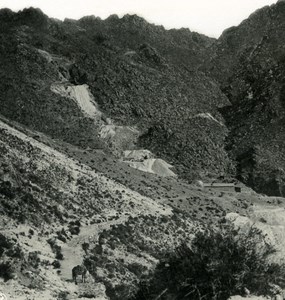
x: 146, y: 96
x: 248, y: 61
x: 106, y: 128
x: 54, y: 197
x: 132, y: 80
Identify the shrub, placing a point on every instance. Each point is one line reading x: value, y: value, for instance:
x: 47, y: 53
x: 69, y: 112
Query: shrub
x: 61, y: 235
x: 220, y: 263
x: 75, y: 230
x: 58, y: 254
x: 5, y: 243
x: 7, y: 190
x: 6, y: 271
x: 100, y: 38
x: 33, y: 259
x: 63, y: 295
x: 10, y: 248
x: 55, y: 248
x: 137, y: 269
x: 85, y: 247
x: 74, y: 227
x: 56, y: 264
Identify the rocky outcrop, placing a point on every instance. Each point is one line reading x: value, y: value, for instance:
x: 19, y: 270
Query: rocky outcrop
x: 248, y: 62
x: 145, y: 161
x: 82, y: 97
x: 269, y: 220
x: 119, y: 138
x: 137, y: 155
x: 155, y: 166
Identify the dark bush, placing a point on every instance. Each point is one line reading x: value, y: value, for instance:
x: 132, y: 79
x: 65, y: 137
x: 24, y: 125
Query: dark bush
x: 30, y: 200
x: 63, y: 295
x: 34, y: 259
x: 74, y: 230
x: 61, y: 236
x: 220, y: 263
x: 6, y: 271
x: 58, y: 254
x: 5, y: 243
x: 137, y: 269
x: 100, y: 38
x: 7, y: 190
x: 85, y: 247
x: 56, y: 249
x: 56, y: 264
x: 10, y: 248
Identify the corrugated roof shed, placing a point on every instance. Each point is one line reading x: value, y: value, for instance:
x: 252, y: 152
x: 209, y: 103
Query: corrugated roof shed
x: 220, y: 185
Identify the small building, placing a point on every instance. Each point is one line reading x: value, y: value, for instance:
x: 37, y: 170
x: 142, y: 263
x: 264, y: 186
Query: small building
x: 223, y: 187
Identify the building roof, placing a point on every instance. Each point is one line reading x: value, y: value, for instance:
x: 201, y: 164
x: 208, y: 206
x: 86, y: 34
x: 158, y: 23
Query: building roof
x: 220, y: 185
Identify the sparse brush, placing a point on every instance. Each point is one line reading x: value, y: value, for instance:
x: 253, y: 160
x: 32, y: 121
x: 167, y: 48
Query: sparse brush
x: 33, y: 259
x: 55, y: 248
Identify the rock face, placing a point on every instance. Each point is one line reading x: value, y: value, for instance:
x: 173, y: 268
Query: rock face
x: 137, y: 155
x: 119, y: 138
x: 248, y: 61
x: 269, y: 220
x: 145, y: 161
x: 82, y: 97
x: 155, y: 166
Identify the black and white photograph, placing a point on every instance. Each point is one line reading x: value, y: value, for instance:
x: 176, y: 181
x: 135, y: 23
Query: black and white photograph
x: 142, y: 149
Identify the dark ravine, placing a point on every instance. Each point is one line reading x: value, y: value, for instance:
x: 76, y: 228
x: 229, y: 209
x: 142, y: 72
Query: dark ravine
x: 249, y: 64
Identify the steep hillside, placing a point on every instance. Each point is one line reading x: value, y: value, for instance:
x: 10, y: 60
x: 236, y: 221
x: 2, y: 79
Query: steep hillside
x: 248, y: 61
x: 48, y: 198
x: 181, y: 47
x: 135, y: 76
x: 57, y: 212
x: 243, y: 40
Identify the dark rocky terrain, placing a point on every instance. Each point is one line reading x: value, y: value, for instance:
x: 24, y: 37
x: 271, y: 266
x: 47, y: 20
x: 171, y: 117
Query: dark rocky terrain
x: 78, y: 96
x: 135, y: 77
x: 160, y: 82
x: 248, y: 62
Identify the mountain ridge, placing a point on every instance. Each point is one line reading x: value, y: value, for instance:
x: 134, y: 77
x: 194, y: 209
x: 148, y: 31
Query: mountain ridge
x: 123, y: 82
x: 127, y: 60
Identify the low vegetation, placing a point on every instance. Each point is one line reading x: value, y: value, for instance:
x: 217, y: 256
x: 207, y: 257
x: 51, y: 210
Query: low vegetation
x: 219, y: 263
